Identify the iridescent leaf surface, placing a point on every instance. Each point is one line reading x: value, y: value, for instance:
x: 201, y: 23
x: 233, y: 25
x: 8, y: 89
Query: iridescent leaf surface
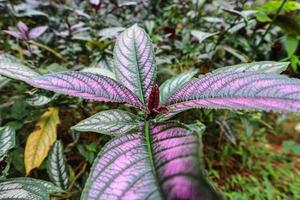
x: 239, y: 90
x: 7, y: 139
x: 170, y: 86
x: 263, y: 66
x: 86, y: 85
x: 57, y: 167
x: 25, y: 189
x: 162, y: 162
x: 134, y: 62
x: 13, y: 68
x: 111, y: 122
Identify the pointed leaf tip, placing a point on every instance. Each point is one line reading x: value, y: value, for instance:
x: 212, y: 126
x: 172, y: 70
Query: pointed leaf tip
x: 134, y: 62
x: 239, y: 90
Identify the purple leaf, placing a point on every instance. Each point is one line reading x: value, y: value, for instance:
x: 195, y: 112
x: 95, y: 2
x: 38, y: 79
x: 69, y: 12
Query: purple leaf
x: 23, y: 28
x: 37, y: 31
x: 15, y: 34
x: 162, y: 162
x: 239, y: 90
x: 134, y: 62
x: 86, y: 85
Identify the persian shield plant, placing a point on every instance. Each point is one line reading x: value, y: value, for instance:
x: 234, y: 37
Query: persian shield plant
x: 150, y: 157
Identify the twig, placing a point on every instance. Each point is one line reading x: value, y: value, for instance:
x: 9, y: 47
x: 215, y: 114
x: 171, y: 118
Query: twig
x: 48, y: 49
x: 77, y: 176
x: 270, y: 26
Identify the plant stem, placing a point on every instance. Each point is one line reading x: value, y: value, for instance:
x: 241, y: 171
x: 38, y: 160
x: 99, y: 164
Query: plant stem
x: 48, y: 49
x: 269, y: 27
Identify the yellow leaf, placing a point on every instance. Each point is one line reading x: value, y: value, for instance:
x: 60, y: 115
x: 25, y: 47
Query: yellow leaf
x: 41, y: 139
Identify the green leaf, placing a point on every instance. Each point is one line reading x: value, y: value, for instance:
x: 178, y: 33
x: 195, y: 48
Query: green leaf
x: 170, y: 86
x: 134, y: 62
x: 291, y: 45
x: 236, y: 53
x: 57, y: 167
x: 290, y: 146
x: 294, y: 62
x: 273, y: 6
x: 39, y: 100
x: 111, y: 122
x: 263, y: 66
x: 101, y: 71
x: 7, y: 139
x: 13, y: 68
x: 201, y: 36
x: 3, y: 81
x: 262, y: 17
x: 25, y: 189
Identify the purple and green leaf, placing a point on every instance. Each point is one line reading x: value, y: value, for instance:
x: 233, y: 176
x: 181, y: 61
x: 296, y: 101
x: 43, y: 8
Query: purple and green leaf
x: 263, y: 66
x: 13, y: 68
x: 162, y: 162
x: 134, y: 62
x: 111, y: 122
x: 88, y: 86
x: 57, y: 166
x: 26, y: 188
x: 239, y: 90
x: 7, y: 140
x: 169, y: 87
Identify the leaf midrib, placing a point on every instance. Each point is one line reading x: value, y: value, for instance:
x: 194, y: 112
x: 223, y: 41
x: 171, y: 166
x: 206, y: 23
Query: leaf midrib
x: 141, y: 91
x: 150, y: 153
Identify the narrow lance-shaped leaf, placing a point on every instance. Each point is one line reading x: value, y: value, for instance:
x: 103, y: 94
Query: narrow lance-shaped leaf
x: 201, y: 36
x: 134, y: 62
x: 263, y: 66
x: 111, y: 122
x: 7, y: 139
x: 88, y: 86
x: 239, y: 90
x: 57, y: 167
x: 25, y: 188
x: 13, y: 68
x: 81, y: 84
x: 170, y: 86
x: 41, y: 139
x: 162, y: 162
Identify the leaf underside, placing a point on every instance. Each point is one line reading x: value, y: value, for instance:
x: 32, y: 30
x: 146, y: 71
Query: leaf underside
x: 239, y: 90
x: 167, y: 168
x: 134, y: 62
x: 111, y: 122
x: 39, y: 141
x: 56, y: 166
